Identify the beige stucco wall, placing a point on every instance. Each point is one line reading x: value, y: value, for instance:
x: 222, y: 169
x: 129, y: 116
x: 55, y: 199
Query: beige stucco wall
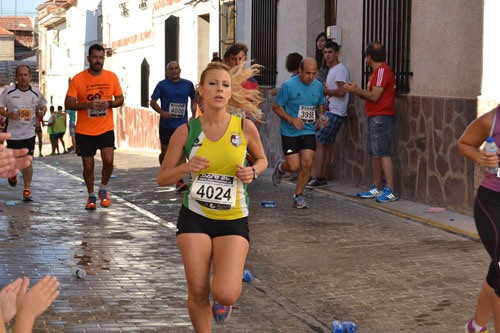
x: 6, y: 48
x: 490, y: 94
x: 298, y: 24
x: 446, y: 45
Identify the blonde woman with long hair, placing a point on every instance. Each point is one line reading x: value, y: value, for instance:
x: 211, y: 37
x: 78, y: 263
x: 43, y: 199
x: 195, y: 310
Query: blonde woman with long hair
x: 212, y: 228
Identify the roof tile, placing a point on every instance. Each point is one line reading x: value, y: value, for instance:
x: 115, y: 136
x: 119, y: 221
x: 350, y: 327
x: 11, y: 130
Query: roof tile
x: 12, y: 23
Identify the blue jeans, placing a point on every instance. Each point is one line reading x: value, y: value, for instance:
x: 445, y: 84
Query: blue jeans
x: 379, y: 132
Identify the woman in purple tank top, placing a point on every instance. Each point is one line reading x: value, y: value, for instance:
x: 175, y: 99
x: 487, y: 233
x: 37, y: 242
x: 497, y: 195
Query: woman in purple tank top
x: 486, y: 215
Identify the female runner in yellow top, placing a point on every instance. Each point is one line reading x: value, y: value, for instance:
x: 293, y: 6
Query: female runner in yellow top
x: 213, y: 220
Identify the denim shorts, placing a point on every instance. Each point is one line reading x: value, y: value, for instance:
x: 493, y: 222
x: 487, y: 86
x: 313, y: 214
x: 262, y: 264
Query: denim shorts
x: 379, y: 132
x: 326, y: 135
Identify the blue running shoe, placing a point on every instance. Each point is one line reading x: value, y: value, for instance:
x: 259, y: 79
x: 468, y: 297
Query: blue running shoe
x: 299, y: 201
x: 277, y: 174
x: 387, y: 196
x: 373, y: 192
x: 221, y: 313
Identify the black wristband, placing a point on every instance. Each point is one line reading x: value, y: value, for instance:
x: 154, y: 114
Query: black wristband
x: 110, y: 104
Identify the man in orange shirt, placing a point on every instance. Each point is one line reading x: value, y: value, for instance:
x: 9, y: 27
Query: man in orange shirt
x: 91, y: 94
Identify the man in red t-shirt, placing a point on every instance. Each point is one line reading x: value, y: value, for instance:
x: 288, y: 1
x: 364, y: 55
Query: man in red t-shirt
x: 380, y: 111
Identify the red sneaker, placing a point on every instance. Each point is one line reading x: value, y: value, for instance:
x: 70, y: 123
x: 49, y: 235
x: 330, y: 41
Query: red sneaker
x: 27, y: 195
x: 104, y: 196
x: 91, y: 203
x: 12, y: 181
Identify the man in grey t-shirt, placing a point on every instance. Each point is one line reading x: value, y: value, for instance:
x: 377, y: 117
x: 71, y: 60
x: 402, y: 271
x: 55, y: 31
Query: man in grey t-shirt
x: 336, y: 103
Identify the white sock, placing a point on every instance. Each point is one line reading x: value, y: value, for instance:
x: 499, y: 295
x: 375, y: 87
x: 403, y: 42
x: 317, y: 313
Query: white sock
x: 476, y: 326
x: 92, y: 194
x: 103, y: 187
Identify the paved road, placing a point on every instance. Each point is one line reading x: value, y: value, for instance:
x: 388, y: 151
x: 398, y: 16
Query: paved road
x: 336, y: 260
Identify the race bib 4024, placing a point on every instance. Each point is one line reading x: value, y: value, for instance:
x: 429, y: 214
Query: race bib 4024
x: 214, y: 191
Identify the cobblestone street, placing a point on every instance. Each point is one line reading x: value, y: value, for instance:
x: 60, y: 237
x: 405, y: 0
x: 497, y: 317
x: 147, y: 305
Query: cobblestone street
x: 336, y: 260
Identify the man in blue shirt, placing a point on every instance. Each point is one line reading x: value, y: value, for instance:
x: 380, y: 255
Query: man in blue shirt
x: 296, y: 106
x: 173, y: 93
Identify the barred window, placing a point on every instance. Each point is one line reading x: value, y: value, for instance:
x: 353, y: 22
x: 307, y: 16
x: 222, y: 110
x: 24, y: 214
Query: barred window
x: 389, y: 22
x: 227, y: 25
x: 264, y: 39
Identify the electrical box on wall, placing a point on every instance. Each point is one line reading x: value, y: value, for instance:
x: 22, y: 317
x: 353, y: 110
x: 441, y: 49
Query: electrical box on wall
x: 334, y: 32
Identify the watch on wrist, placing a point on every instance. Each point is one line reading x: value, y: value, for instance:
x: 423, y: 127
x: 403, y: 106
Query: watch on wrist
x: 110, y: 104
x: 255, y: 174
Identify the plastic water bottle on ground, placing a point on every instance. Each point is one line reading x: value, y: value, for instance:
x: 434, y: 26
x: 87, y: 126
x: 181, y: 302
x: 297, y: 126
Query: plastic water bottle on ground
x: 337, y: 327
x: 79, y: 273
x: 349, y: 326
x: 247, y: 276
x: 268, y: 204
x: 491, y: 147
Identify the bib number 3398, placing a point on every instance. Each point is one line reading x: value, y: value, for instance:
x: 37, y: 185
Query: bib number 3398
x: 214, y: 191
x: 307, y: 114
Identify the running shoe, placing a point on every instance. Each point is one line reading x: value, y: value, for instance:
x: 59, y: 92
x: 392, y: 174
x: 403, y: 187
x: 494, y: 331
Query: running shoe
x: 104, y: 196
x: 27, y: 195
x: 91, y: 203
x: 181, y: 187
x: 469, y: 328
x: 387, y: 196
x: 373, y: 192
x: 277, y: 174
x: 316, y: 182
x: 12, y: 181
x: 40, y: 155
x: 221, y: 313
x: 299, y: 201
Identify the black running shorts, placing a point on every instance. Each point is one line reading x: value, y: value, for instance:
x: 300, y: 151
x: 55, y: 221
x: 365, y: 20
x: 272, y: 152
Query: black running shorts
x: 190, y: 222
x: 87, y: 145
x: 294, y: 144
x: 20, y: 144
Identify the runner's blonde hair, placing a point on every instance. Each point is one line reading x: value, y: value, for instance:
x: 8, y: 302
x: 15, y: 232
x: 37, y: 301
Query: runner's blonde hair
x: 241, y: 98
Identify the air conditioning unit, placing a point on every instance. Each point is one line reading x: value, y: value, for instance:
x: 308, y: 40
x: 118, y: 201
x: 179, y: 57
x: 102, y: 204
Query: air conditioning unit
x: 334, y: 32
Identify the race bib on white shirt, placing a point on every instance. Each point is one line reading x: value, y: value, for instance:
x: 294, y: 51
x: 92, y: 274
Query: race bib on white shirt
x: 25, y: 113
x: 97, y: 113
x: 214, y: 191
x: 177, y: 110
x: 307, y: 114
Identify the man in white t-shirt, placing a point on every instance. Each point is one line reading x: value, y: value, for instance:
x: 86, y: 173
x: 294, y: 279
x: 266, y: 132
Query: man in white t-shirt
x: 20, y: 103
x: 336, y: 111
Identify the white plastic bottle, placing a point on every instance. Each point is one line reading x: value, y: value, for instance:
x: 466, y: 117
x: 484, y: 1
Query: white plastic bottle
x: 491, y: 147
x: 79, y: 273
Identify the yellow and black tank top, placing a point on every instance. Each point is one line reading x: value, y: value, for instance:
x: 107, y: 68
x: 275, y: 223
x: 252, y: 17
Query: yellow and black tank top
x: 216, y: 192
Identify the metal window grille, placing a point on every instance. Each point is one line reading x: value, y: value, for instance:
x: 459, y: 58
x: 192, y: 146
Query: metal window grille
x: 389, y: 22
x: 227, y: 25
x: 264, y: 39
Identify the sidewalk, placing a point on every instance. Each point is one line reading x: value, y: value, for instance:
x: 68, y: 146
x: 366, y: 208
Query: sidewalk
x: 450, y: 221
